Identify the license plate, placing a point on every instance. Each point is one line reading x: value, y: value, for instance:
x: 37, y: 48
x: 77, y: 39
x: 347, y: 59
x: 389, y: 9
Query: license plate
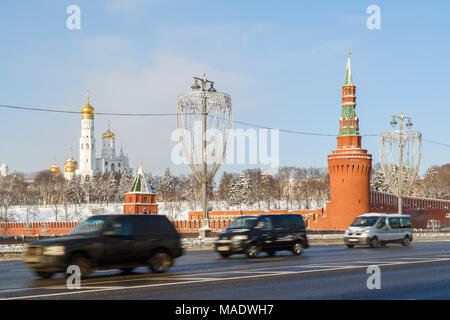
x: 223, y: 248
x: 353, y: 240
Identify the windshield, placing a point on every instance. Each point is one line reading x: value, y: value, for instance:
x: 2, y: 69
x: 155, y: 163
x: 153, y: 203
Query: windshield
x: 90, y: 226
x: 243, y: 223
x: 364, y: 221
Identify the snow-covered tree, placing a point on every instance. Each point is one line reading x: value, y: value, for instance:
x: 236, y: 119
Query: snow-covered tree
x: 167, y: 187
x: 246, y: 193
x: 240, y: 191
x: 378, y: 181
x: 124, y: 184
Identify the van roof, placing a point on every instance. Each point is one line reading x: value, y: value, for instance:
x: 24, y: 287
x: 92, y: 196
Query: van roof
x: 384, y: 214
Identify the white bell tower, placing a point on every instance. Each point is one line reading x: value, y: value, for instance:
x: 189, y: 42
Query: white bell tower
x: 87, y: 141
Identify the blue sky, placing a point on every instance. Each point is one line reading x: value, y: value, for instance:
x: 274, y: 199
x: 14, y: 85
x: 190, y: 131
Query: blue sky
x: 283, y: 63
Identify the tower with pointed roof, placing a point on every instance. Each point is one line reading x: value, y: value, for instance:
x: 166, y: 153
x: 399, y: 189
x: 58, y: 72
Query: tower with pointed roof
x: 349, y: 165
x: 87, y: 141
x: 141, y: 198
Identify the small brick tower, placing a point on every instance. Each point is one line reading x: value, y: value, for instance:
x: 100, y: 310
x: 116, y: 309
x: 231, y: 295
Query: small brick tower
x: 141, y: 198
x: 349, y: 165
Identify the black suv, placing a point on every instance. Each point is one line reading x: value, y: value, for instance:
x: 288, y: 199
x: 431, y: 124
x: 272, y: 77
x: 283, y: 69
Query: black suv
x: 251, y: 234
x: 109, y: 242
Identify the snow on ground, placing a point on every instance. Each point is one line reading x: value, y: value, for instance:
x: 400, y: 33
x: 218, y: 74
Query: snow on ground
x: 174, y: 210
x: 12, y: 248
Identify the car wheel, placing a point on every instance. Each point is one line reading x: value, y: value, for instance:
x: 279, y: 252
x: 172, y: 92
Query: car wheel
x: 225, y: 255
x: 127, y: 270
x: 406, y: 241
x: 83, y: 263
x: 374, y: 242
x: 350, y: 245
x: 159, y: 262
x: 297, y: 249
x: 44, y: 275
x: 252, y: 251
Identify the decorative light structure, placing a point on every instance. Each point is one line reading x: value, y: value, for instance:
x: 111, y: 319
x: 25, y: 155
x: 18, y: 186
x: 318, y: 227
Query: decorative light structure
x: 204, y: 122
x: 400, y: 154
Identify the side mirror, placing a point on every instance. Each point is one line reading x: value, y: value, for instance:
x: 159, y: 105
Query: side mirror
x: 379, y: 225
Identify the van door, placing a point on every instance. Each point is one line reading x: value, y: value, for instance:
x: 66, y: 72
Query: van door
x: 382, y: 230
x: 395, y: 231
x: 282, y: 238
x: 265, y: 233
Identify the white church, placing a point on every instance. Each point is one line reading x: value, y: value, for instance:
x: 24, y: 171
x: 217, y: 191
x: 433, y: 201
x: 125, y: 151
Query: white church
x: 88, y: 163
x: 4, y: 170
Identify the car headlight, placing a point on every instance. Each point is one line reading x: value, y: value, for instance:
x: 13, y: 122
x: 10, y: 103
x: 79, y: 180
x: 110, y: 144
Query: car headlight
x: 240, y: 237
x: 54, y: 251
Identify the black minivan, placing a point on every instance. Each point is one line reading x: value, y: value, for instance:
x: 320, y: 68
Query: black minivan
x: 113, y: 241
x: 251, y: 234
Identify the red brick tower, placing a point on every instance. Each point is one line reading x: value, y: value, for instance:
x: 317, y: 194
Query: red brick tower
x: 349, y: 165
x: 141, y: 198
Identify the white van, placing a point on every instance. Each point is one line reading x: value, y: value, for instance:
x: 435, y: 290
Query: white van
x: 376, y: 229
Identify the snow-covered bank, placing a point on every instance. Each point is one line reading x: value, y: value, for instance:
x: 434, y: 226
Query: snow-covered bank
x: 178, y: 210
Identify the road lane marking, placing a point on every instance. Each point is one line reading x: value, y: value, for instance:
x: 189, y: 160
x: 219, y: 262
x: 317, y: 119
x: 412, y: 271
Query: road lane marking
x: 214, y: 279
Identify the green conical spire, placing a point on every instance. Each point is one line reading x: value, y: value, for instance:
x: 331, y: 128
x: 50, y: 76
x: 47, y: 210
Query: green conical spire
x: 348, y: 72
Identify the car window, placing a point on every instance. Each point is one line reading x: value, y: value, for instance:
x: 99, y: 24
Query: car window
x: 92, y: 225
x: 394, y: 223
x: 295, y: 221
x: 288, y: 221
x: 405, y: 222
x: 267, y: 223
x: 364, y: 221
x: 154, y: 224
x: 382, y: 222
x: 121, y: 227
x: 277, y: 222
x: 243, y: 222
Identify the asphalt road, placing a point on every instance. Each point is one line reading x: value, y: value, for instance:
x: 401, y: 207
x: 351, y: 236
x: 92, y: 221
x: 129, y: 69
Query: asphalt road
x: 421, y: 271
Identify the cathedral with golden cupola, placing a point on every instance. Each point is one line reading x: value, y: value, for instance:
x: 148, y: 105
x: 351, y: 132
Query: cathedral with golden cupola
x: 109, y: 161
x: 88, y: 164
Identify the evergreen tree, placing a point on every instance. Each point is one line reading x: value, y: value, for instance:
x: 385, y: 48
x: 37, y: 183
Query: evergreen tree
x: 245, y: 188
x: 167, y: 187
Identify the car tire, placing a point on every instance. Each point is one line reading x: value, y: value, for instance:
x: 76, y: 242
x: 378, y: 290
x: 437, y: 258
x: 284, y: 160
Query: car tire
x: 160, y: 261
x: 252, y: 250
x: 350, y: 245
x: 406, y: 241
x: 297, y: 249
x: 374, y: 243
x: 127, y: 270
x: 44, y: 275
x: 83, y: 263
x: 225, y: 255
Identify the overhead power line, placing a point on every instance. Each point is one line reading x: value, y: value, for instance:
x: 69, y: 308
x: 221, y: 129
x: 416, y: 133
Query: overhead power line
x: 54, y: 110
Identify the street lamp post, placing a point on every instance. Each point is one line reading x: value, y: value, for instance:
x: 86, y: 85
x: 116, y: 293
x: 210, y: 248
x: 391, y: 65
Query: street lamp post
x: 400, y: 173
x: 204, y: 153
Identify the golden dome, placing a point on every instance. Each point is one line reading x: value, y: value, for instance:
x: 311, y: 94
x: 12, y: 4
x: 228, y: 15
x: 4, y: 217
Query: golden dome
x: 70, y: 169
x: 71, y: 162
x: 55, y: 169
x: 87, y: 109
x: 108, y: 133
